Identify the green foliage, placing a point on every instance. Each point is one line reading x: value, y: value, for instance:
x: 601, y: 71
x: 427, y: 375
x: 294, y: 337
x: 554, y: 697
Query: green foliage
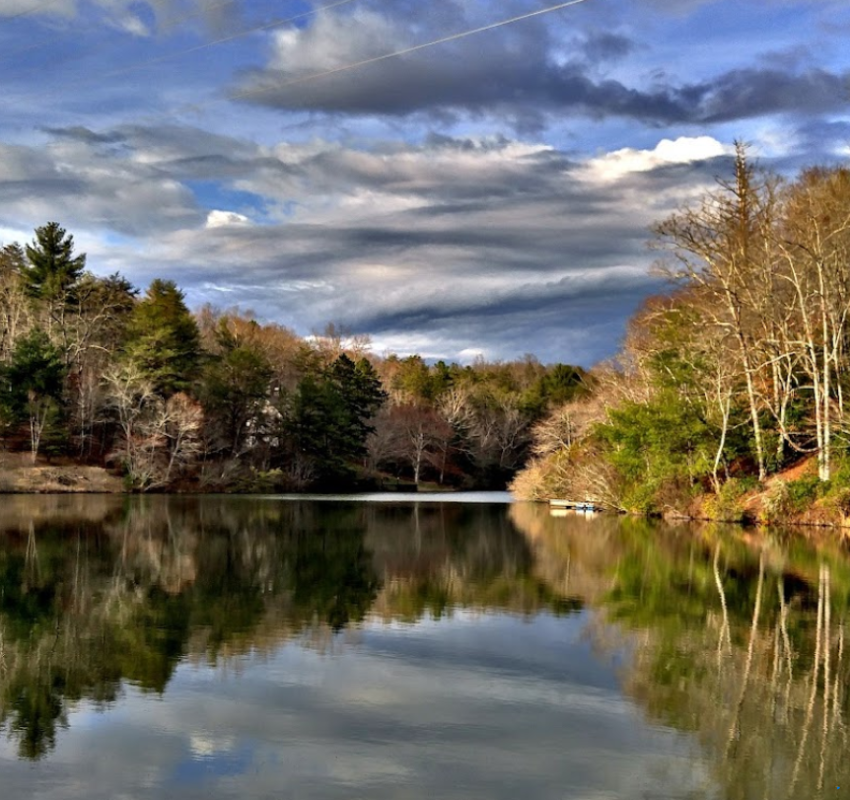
x: 31, y: 390
x: 163, y: 339
x: 235, y: 387
x: 727, y: 505
x: 786, y: 500
x: 415, y: 380
x: 559, y: 384
x: 53, y: 269
x: 36, y: 368
x: 804, y: 491
x: 653, y: 444
x: 12, y: 261
x: 329, y: 417
x: 359, y: 386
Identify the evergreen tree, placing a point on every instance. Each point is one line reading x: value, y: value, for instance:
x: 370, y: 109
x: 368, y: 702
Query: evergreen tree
x: 235, y: 387
x: 163, y: 339
x: 31, y: 387
x: 53, y: 269
x: 330, y: 416
x: 361, y: 395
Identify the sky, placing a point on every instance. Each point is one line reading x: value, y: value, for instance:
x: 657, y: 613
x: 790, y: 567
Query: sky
x: 490, y: 195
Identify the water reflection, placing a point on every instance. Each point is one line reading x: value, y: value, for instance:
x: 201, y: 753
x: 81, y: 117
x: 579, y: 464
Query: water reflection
x: 453, y: 650
x: 740, y: 640
x: 96, y: 593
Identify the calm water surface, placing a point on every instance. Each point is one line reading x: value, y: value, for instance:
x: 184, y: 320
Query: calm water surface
x: 287, y: 648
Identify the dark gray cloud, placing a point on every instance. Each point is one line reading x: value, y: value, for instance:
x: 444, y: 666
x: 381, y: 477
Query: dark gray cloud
x: 91, y: 181
x: 747, y: 93
x: 525, y: 84
x: 607, y: 46
x: 569, y: 316
x: 513, y: 90
x: 80, y: 133
x: 820, y: 136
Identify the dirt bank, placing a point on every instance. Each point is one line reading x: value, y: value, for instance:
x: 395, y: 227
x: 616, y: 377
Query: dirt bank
x: 18, y: 475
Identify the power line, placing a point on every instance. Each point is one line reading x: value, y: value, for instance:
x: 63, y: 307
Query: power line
x: 173, y: 21
x: 405, y: 51
x: 33, y: 10
x: 318, y: 75
x: 247, y: 32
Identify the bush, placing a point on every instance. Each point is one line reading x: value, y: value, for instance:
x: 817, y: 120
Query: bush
x: 789, y: 499
x: 727, y: 505
x: 805, y: 491
x: 775, y: 506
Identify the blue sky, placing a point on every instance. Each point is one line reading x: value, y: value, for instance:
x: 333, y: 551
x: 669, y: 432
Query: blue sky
x: 487, y: 195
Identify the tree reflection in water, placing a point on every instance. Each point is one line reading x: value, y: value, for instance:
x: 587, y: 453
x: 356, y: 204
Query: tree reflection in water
x: 737, y: 640
x: 740, y: 640
x: 99, y: 591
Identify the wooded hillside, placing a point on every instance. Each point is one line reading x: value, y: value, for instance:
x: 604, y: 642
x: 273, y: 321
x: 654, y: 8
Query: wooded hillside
x: 736, y: 373
x: 95, y: 372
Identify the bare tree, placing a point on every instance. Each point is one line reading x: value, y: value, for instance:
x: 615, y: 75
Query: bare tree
x: 725, y: 246
x: 815, y: 243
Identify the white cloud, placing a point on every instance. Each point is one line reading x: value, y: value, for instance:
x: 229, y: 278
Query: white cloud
x: 684, y: 150
x: 224, y: 219
x: 332, y: 41
x: 204, y: 745
x: 133, y: 25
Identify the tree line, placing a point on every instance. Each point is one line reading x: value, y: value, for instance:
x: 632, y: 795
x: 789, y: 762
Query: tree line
x: 93, y: 370
x: 739, y: 371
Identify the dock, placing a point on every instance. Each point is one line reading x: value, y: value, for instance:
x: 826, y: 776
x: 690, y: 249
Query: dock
x: 574, y: 505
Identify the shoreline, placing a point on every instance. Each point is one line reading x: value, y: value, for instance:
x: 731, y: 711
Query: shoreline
x: 748, y: 510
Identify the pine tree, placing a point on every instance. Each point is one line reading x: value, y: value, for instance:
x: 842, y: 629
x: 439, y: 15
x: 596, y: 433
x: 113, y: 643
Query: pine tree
x: 52, y: 269
x: 163, y: 339
x: 235, y: 387
x: 31, y: 387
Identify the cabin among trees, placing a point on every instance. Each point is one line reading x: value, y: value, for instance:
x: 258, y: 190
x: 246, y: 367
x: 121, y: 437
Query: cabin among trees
x: 93, y: 371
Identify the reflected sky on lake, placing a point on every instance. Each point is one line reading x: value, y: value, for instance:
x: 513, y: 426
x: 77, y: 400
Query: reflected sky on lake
x: 476, y: 705
x: 156, y: 647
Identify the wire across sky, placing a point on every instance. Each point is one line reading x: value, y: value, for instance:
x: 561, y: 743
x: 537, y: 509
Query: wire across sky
x: 285, y: 82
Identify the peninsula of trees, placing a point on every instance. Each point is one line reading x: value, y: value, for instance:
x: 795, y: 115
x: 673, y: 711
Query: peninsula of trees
x: 94, y: 372
x: 735, y: 382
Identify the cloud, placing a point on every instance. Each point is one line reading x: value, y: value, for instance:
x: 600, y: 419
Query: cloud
x: 27, y: 8
x: 607, y: 46
x: 97, y: 190
x: 44, y: 24
x: 492, y: 193
x: 683, y: 150
x: 223, y: 219
x: 493, y: 76
x: 478, y: 702
x: 747, y: 93
x: 459, y: 244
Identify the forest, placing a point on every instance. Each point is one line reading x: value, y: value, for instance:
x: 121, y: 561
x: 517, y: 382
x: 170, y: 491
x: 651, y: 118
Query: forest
x: 95, y: 372
x: 733, y: 382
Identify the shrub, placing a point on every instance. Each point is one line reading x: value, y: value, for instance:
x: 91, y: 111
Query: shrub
x: 727, y: 505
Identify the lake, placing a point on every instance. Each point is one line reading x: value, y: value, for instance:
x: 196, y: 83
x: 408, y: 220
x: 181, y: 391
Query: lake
x: 279, y: 647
